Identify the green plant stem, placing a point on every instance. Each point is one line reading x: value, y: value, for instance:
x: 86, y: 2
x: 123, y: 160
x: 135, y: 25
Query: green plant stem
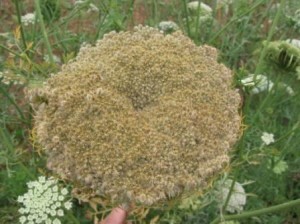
x: 24, y: 58
x: 259, y: 66
x: 196, y: 37
x: 187, y: 18
x: 72, y: 217
x: 11, y: 100
x: 12, y: 52
x: 257, y: 212
x: 42, y: 26
x: 20, y: 24
x: 229, y: 195
x: 234, y: 19
x: 8, y: 144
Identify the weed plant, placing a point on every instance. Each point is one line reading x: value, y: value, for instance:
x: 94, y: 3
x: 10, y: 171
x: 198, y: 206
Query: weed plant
x: 242, y: 31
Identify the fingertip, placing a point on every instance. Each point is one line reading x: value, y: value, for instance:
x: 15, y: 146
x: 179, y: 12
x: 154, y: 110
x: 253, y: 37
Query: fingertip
x: 117, y: 216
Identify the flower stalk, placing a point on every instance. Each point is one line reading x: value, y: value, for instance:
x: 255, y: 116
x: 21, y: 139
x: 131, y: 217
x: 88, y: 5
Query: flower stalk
x: 20, y: 24
x: 257, y: 212
x: 43, y: 29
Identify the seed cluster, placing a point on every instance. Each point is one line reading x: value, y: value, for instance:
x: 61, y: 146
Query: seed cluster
x: 140, y: 117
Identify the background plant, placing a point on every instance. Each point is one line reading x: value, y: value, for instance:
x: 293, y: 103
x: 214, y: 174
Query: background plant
x: 238, y: 31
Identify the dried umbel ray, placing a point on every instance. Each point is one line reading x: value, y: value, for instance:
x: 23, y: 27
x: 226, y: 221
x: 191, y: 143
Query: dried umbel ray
x: 141, y: 117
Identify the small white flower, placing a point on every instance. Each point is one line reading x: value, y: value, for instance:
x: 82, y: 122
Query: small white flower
x: 92, y: 8
x: 257, y: 83
x: 267, y: 138
x: 42, y: 179
x: 20, y: 199
x: 21, y: 210
x: 222, y: 3
x: 52, y: 212
x: 294, y: 42
x: 204, y: 9
x: 79, y: 2
x: 56, y: 59
x: 27, y: 19
x: 55, y: 188
x: 22, y: 219
x: 68, y: 205
x: 56, y: 221
x: 290, y: 91
x: 167, y: 26
x: 60, y: 212
x: 237, y: 199
x: 64, y: 191
x: 30, y: 184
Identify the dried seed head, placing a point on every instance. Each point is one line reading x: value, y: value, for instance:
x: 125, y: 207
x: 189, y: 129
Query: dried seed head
x: 141, y: 116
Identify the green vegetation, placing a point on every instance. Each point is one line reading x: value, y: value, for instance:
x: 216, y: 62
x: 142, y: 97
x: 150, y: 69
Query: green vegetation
x: 256, y: 39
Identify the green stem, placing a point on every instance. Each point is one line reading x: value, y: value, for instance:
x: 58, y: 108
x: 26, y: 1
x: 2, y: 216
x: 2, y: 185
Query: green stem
x: 196, y: 37
x: 72, y: 217
x: 24, y: 58
x: 20, y: 24
x: 234, y: 19
x: 12, y: 52
x: 187, y: 18
x: 8, y: 144
x: 42, y: 26
x: 229, y: 195
x: 11, y: 100
x: 258, y: 212
x: 259, y: 66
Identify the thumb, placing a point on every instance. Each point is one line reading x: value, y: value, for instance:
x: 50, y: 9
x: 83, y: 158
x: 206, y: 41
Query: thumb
x: 117, y: 216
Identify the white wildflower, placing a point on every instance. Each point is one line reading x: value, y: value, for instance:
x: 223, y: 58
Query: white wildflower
x: 64, y: 191
x: 43, y: 202
x: 55, y: 58
x: 257, y: 83
x: 203, y: 9
x: 68, y: 205
x: 267, y: 138
x: 221, y: 3
x: 290, y: 90
x: 224, y: 4
x: 277, y: 165
x: 168, y: 26
x: 56, y: 221
x: 287, y: 88
x: 79, y: 2
x: 92, y: 8
x: 22, y: 219
x: 27, y: 19
x: 294, y: 42
x: 237, y: 199
x: 60, y: 212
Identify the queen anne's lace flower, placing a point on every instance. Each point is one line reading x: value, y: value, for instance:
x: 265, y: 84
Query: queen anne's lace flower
x: 168, y: 26
x: 267, y: 138
x: 257, y: 83
x: 27, y: 19
x: 204, y: 9
x: 43, y: 202
x: 294, y: 42
x: 91, y: 7
x: 237, y: 199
